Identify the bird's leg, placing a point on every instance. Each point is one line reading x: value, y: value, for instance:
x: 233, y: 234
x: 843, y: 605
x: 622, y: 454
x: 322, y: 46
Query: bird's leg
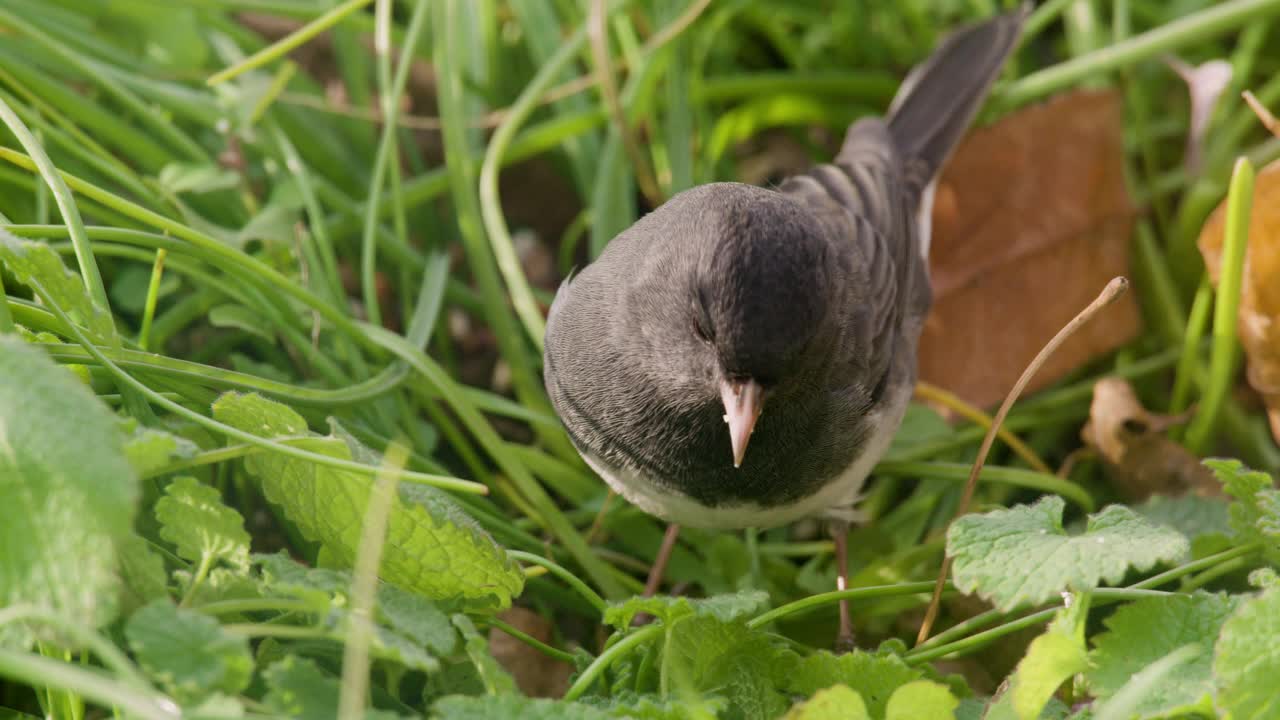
x: 840, y: 529
x: 660, y: 562
x: 656, y: 572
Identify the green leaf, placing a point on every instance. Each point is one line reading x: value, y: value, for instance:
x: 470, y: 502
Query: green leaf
x: 298, y: 688
x: 417, y: 618
x: 490, y: 707
x: 432, y: 547
x: 149, y: 449
x: 922, y: 699
x: 834, y: 703
x: 141, y: 572
x: 1051, y: 659
x: 748, y: 667
x: 69, y: 493
x: 320, y: 587
x: 188, y: 653
x: 651, y: 707
x: 1255, y: 514
x: 1191, y: 515
x: 1123, y: 705
x: 204, y: 530
x: 1022, y: 555
x: 1246, y: 660
x: 36, y: 261
x: 1142, y: 632
x: 668, y: 609
x: 874, y: 676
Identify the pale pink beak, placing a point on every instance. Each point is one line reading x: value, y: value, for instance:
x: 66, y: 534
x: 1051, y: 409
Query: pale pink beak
x: 743, y: 400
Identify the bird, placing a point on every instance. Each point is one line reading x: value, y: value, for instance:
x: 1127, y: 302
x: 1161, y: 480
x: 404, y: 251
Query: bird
x: 742, y: 356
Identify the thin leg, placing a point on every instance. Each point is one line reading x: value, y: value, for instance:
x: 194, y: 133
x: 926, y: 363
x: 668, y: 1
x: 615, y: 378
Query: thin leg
x: 840, y: 528
x: 660, y: 562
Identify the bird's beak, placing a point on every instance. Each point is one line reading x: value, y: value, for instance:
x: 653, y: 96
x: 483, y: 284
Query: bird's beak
x: 742, y: 402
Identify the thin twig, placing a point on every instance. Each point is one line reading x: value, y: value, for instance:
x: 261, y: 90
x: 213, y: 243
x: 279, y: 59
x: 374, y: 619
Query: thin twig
x: 1112, y: 291
x: 1268, y: 120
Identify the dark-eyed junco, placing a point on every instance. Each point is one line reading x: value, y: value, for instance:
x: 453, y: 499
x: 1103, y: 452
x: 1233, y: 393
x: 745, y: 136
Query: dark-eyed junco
x: 741, y: 356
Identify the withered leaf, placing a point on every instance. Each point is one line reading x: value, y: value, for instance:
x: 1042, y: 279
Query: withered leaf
x: 1032, y: 220
x: 1139, y: 459
x: 1260, y: 296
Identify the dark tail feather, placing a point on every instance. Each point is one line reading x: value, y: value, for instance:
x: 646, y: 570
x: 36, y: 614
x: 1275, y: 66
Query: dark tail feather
x: 940, y: 96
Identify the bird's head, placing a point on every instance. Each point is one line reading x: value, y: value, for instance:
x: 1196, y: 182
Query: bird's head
x: 759, y: 301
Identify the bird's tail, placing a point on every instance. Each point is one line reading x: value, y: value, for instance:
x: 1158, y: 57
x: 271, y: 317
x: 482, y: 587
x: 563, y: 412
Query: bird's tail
x: 939, y: 98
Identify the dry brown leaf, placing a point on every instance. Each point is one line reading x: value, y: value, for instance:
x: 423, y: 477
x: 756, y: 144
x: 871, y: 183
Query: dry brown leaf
x: 1032, y: 219
x: 535, y: 674
x: 1140, y: 460
x: 1260, y: 295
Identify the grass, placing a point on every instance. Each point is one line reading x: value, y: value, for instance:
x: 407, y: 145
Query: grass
x: 334, y: 215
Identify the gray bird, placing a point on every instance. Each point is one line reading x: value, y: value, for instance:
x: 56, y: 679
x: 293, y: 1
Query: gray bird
x: 742, y: 356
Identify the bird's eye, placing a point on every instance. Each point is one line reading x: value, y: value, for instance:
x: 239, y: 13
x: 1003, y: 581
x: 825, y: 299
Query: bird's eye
x: 700, y: 328
x: 701, y: 319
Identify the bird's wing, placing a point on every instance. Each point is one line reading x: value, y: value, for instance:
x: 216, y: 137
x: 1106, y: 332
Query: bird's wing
x: 870, y: 211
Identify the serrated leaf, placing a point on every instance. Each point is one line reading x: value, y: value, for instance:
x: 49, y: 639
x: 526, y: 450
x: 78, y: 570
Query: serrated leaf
x: 747, y: 667
x: 921, y: 699
x: 1264, y: 578
x: 66, y: 504
x: 141, y: 573
x: 1142, y: 632
x: 490, y: 707
x: 36, y: 261
x: 1255, y: 514
x: 838, y: 702
x: 874, y: 676
x: 432, y: 547
x: 1022, y: 555
x: 188, y: 653
x: 203, y: 529
x: 1246, y: 659
x: 668, y: 609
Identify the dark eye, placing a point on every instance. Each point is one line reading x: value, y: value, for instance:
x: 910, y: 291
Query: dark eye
x: 701, y: 319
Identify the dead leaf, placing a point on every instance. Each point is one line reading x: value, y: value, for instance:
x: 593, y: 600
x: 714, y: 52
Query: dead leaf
x: 1140, y: 460
x: 536, y: 674
x: 1031, y: 220
x: 1259, y: 319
